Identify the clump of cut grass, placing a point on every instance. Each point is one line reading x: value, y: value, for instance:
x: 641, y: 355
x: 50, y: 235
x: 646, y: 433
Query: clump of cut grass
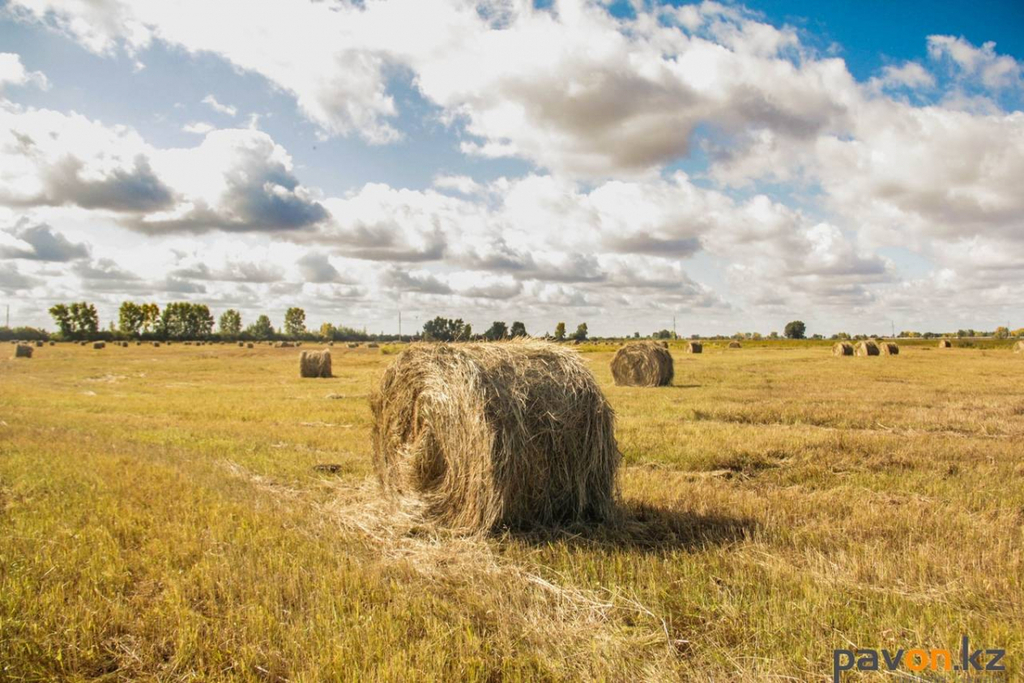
x: 482, y: 436
x: 315, y: 364
x: 643, y: 364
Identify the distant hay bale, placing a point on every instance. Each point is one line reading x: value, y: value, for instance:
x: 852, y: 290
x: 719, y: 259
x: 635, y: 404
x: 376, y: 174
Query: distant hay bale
x: 694, y: 347
x: 241, y: 344
x: 249, y: 345
x: 283, y: 345
x: 483, y: 436
x: 315, y: 364
x: 352, y: 346
x: 99, y: 345
x: 735, y: 345
x: 330, y: 343
x: 38, y: 343
x: 868, y: 347
x: 642, y: 364
x: 842, y: 349
x: 372, y: 345
x: 22, y: 351
x: 53, y: 343
x: 888, y: 348
x: 945, y: 344
x: 138, y: 343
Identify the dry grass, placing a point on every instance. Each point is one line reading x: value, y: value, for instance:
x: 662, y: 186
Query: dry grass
x: 479, y: 437
x: 171, y: 525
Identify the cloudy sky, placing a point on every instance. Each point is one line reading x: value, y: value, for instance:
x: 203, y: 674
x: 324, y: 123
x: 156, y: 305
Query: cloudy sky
x: 620, y: 163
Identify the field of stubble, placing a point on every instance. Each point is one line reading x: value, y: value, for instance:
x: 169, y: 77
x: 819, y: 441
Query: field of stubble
x: 161, y: 517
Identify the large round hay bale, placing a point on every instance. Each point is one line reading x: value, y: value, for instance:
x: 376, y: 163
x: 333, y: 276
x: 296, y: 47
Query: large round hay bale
x: 888, y: 348
x: 735, y: 345
x: 22, y: 351
x: 99, y: 345
x: 315, y: 364
x: 249, y: 345
x: 694, y: 347
x: 483, y: 436
x: 842, y: 349
x: 868, y: 347
x: 945, y: 344
x: 38, y: 343
x: 643, y: 364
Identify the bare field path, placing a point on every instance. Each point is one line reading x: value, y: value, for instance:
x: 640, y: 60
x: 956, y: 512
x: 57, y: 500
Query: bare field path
x: 162, y: 516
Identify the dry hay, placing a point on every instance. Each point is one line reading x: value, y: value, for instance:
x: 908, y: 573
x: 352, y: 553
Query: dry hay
x: 642, y: 364
x: 315, y: 364
x: 156, y: 344
x: 1018, y: 347
x: 482, y: 436
x: 283, y: 345
x: 99, y: 345
x: 138, y: 343
x: 945, y: 344
x: 39, y: 344
x: 735, y: 345
x: 842, y: 349
x: 249, y: 345
x: 22, y: 351
x: 53, y: 343
x: 352, y: 346
x: 888, y: 348
x: 330, y: 343
x: 694, y: 347
x: 868, y: 347
x: 241, y: 344
x: 372, y: 345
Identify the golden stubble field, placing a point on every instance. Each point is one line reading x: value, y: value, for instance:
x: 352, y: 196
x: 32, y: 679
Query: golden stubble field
x: 161, y: 516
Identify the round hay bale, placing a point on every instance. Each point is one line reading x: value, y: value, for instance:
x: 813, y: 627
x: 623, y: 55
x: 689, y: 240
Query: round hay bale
x: 372, y: 345
x: 1018, y: 347
x: 53, y: 343
x: 694, y: 347
x: 352, y: 346
x: 735, y: 345
x: 138, y: 343
x: 283, y: 345
x: 99, y: 345
x: 945, y: 344
x: 330, y: 343
x: 888, y: 348
x: 22, y: 351
x: 315, y: 364
x: 842, y: 349
x: 156, y: 344
x: 868, y: 347
x: 643, y: 364
x: 38, y: 344
x: 249, y: 345
x: 482, y: 436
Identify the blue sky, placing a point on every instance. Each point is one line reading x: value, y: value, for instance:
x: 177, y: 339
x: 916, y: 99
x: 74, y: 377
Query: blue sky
x: 730, y: 166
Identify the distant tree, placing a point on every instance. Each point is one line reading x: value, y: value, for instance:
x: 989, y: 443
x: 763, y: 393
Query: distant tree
x: 84, y: 315
x: 795, y: 330
x: 773, y: 335
x: 559, y: 331
x: 184, y: 320
x: 446, y: 330
x: 62, y: 316
x: 498, y: 330
x: 756, y: 336
x: 636, y: 335
x: 295, y: 322
x: 1018, y: 332
x: 150, y: 317
x: 327, y: 331
x: 662, y: 334
x: 130, y: 318
x: 1002, y: 333
x: 581, y: 332
x: 231, y: 323
x: 518, y: 330
x: 261, y: 329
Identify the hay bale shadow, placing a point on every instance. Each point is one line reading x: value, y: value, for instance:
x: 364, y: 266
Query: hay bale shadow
x: 642, y: 527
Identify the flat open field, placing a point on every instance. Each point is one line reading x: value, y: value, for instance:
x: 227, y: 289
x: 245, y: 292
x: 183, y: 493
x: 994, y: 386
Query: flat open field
x: 160, y: 516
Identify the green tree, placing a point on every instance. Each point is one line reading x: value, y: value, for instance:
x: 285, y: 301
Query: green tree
x: 795, y: 330
x: 1002, y: 333
x: 231, y: 323
x: 261, y: 329
x: 518, y: 330
x: 184, y: 320
x: 84, y: 318
x: 150, y: 317
x: 662, y: 334
x: 295, y: 322
x: 581, y: 332
x: 559, y: 331
x: 130, y: 317
x: 498, y: 330
x: 446, y: 330
x: 328, y: 331
x: 62, y: 316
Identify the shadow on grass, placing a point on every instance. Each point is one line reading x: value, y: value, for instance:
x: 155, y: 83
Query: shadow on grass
x: 641, y: 527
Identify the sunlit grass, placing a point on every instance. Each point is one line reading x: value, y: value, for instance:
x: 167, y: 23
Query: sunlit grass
x: 160, y: 515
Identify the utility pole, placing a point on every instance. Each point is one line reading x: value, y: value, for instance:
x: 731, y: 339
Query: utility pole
x: 399, y: 326
x: 8, y: 325
x: 891, y: 323
x: 673, y: 327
